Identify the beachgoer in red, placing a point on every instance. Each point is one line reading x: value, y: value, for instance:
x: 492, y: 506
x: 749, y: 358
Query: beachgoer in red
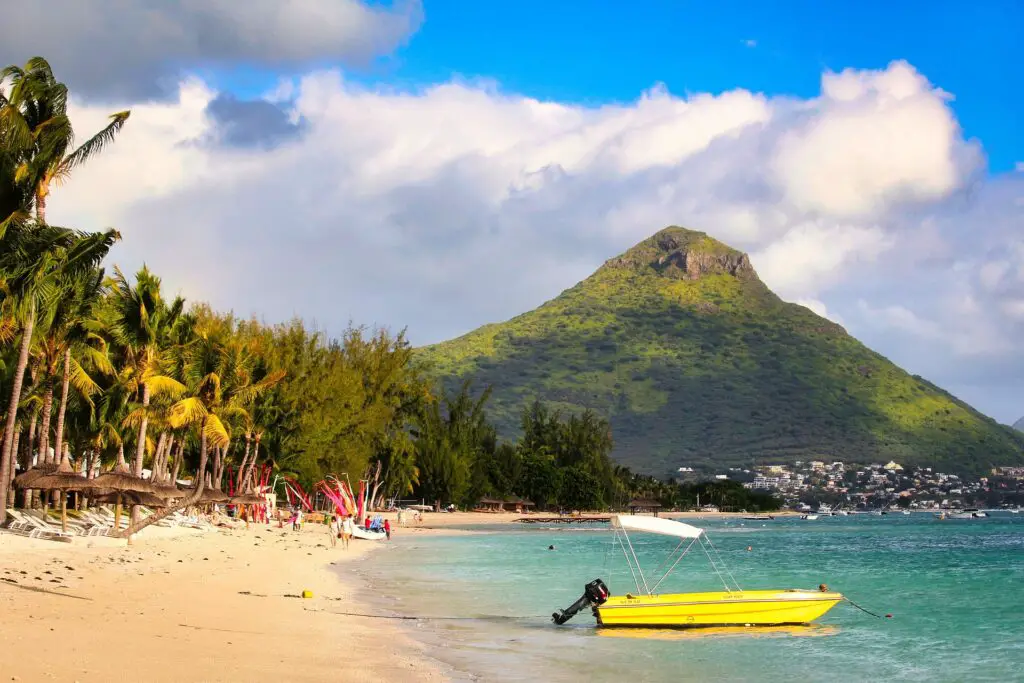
x: 367, y: 523
x: 387, y: 528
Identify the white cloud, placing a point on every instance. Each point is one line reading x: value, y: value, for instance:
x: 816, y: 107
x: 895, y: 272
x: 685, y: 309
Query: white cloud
x: 127, y: 47
x: 873, y: 138
x: 459, y: 204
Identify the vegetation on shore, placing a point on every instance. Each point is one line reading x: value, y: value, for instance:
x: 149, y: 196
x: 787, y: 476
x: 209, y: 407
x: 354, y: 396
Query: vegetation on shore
x: 104, y: 367
x: 697, y: 363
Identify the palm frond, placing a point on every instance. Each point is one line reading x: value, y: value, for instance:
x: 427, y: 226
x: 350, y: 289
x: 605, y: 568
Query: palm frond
x: 187, y: 411
x: 96, y: 143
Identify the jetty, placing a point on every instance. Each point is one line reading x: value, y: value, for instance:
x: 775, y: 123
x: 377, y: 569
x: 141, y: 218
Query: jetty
x: 566, y: 519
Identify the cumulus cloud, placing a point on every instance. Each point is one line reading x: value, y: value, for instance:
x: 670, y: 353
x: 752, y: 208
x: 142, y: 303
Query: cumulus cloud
x: 136, y: 48
x: 458, y: 204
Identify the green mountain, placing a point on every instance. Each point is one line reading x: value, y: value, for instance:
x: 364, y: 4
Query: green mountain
x: 697, y: 363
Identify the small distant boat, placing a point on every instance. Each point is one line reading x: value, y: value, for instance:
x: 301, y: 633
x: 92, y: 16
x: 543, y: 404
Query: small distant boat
x: 809, y: 517
x: 731, y: 607
x: 759, y: 517
x: 841, y: 513
x: 968, y: 513
x: 825, y: 509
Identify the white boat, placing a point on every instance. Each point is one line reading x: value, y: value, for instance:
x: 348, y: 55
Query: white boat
x: 969, y: 513
x: 809, y: 517
x: 368, y: 534
x: 824, y: 509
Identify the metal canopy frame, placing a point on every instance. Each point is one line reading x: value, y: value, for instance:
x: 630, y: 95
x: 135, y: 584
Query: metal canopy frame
x: 637, y: 572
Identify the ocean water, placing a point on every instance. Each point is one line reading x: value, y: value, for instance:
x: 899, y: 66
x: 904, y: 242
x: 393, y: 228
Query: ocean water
x: 954, y: 588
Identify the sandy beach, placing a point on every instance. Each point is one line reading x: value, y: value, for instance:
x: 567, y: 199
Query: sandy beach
x: 171, y: 607
x: 185, y: 605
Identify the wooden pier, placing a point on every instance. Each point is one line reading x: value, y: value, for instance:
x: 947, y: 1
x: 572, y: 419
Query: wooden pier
x: 566, y: 519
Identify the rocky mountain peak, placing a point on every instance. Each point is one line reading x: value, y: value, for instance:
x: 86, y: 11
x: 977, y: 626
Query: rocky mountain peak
x: 681, y: 253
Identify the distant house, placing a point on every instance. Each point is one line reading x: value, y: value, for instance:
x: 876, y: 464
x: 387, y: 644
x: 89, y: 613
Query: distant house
x: 490, y: 505
x: 639, y: 505
x: 511, y: 504
x: 892, y: 466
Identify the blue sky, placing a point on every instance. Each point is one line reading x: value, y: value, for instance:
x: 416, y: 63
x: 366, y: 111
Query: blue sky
x: 600, y: 51
x: 466, y: 204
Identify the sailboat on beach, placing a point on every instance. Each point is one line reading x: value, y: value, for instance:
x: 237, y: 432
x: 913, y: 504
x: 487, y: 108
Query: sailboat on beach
x: 731, y: 607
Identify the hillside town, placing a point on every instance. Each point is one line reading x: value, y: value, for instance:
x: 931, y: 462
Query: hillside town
x: 876, y: 485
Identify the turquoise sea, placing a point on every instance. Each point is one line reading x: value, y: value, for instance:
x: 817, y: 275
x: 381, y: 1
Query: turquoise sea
x: 954, y: 588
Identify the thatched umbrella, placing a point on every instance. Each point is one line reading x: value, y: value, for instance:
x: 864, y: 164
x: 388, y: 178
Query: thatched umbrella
x: 63, y: 479
x: 28, y: 477
x: 168, y: 491
x: 121, y: 479
x: 213, y: 496
x: 249, y: 499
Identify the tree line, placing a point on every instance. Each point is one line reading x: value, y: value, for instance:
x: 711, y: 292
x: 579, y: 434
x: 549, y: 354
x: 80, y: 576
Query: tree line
x: 104, y: 370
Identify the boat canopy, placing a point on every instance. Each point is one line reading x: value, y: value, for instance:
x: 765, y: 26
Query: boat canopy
x: 656, y: 525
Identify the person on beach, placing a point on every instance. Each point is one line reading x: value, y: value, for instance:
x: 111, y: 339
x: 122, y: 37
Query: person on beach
x: 387, y: 528
x: 334, y: 530
x: 367, y: 522
x: 348, y: 527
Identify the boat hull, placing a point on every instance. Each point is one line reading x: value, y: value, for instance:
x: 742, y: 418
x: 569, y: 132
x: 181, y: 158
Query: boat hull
x: 691, y: 610
x: 368, y: 534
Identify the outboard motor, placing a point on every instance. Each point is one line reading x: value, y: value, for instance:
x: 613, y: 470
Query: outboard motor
x: 594, y: 593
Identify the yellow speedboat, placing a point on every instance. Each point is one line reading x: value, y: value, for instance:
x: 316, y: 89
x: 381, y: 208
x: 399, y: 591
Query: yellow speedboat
x: 731, y: 607
x: 722, y: 608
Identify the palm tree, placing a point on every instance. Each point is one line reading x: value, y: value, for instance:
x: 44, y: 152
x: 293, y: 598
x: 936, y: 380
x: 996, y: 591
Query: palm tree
x: 142, y: 327
x: 217, y: 372
x: 33, y: 261
x: 38, y: 126
x: 37, y: 140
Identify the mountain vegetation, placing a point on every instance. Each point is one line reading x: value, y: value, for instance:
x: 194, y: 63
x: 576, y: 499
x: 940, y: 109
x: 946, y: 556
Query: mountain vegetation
x: 696, y: 363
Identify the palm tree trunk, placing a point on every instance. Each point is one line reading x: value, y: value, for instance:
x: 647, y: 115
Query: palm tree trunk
x: 140, y: 448
x: 6, y: 464
x: 245, y: 463
x: 41, y: 207
x: 30, y: 496
x: 255, y: 456
x: 177, y: 461
x: 168, y: 454
x: 197, y: 491
x: 44, y: 428
x: 58, y: 441
x: 217, y: 464
x: 158, y: 458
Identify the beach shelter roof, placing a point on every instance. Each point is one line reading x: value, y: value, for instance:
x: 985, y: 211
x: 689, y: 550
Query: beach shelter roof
x: 655, y: 525
x: 213, y: 496
x: 64, y: 478
x: 27, y: 478
x: 644, y: 503
x: 121, y: 479
x: 248, y: 499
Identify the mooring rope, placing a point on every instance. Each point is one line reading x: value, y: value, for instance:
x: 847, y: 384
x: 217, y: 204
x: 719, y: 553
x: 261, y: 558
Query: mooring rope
x: 866, y: 611
x: 401, y: 617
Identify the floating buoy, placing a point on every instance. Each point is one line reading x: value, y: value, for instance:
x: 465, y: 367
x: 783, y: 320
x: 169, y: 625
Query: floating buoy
x: 307, y: 594
x: 888, y: 616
